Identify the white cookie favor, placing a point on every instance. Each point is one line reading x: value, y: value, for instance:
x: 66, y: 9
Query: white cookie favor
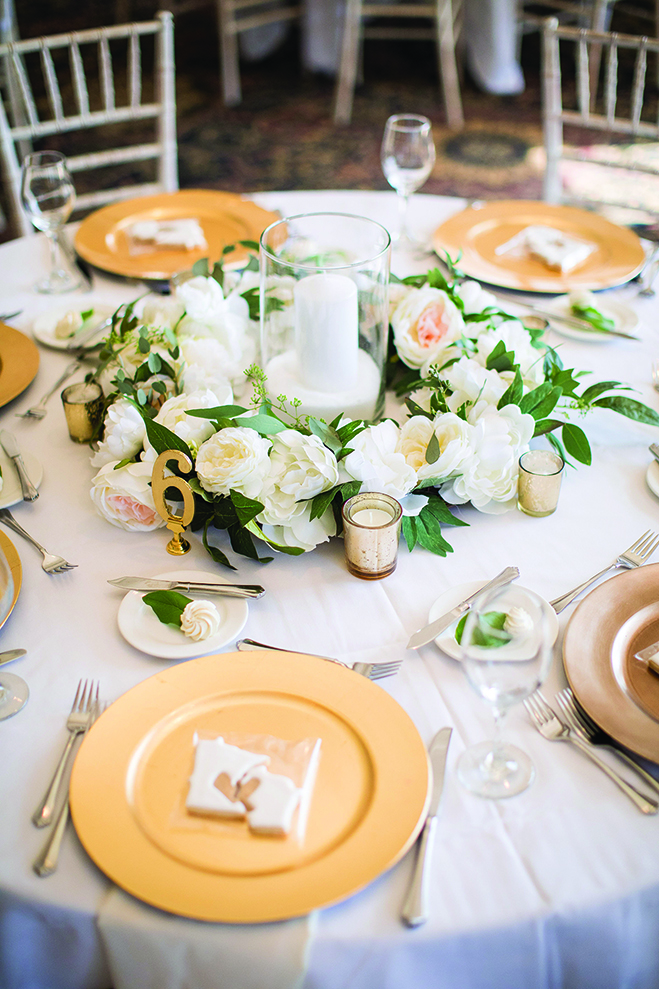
x: 213, y: 757
x: 270, y: 806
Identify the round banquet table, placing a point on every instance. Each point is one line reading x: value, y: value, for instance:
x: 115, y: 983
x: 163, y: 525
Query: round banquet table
x: 556, y: 887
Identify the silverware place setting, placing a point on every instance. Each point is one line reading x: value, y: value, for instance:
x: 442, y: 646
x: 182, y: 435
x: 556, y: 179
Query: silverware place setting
x: 51, y: 564
x: 39, y: 411
x: 10, y: 446
x: 372, y: 671
x: 204, y: 587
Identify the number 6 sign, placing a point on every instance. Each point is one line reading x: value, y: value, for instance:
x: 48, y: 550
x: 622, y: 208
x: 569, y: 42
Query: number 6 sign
x: 159, y: 484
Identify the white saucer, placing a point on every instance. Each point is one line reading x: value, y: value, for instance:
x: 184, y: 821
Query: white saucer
x: 624, y: 318
x: 454, y: 595
x: 12, y: 493
x: 652, y: 477
x: 43, y: 328
x: 139, y: 626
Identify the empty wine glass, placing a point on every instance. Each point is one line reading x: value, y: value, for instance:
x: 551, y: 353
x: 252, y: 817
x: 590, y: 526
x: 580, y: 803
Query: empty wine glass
x: 407, y: 156
x: 14, y: 691
x: 506, y: 648
x: 48, y: 196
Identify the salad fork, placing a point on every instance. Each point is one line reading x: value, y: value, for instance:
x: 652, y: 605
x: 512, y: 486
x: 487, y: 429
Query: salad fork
x: 39, y: 411
x: 634, y: 556
x: 553, y: 729
x: 585, y: 728
x: 50, y: 563
x: 78, y: 721
x: 373, y: 671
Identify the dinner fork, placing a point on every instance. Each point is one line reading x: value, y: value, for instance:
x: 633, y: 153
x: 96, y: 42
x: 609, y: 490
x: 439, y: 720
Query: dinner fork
x: 373, y: 671
x: 634, y: 556
x: 77, y: 723
x: 584, y: 726
x: 552, y: 728
x: 50, y: 563
x: 39, y: 411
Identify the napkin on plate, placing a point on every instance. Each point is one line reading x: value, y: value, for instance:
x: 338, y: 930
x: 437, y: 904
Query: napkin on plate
x: 151, y: 949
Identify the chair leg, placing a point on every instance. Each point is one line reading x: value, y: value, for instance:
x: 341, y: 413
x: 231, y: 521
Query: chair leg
x: 448, y: 69
x: 345, y: 87
x: 600, y: 22
x: 231, y: 91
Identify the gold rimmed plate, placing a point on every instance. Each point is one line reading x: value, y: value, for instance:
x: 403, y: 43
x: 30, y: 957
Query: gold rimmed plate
x: 14, y: 561
x: 130, y: 781
x: 19, y: 363
x: 477, y: 232
x: 103, y: 236
x: 611, y: 624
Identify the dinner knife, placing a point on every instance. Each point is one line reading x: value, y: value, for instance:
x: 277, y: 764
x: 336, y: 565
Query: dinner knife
x: 415, y: 908
x: 430, y: 632
x: 151, y: 584
x: 10, y: 446
x: 9, y: 655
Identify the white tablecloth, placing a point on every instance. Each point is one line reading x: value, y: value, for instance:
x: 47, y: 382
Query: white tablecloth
x: 558, y: 887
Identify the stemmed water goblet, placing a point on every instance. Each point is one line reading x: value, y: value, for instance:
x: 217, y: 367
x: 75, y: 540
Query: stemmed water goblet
x: 506, y: 648
x: 14, y: 691
x: 48, y: 196
x: 407, y: 156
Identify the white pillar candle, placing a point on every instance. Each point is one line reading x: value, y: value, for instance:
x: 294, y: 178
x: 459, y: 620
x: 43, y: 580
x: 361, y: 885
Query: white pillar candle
x: 372, y: 517
x: 327, y: 332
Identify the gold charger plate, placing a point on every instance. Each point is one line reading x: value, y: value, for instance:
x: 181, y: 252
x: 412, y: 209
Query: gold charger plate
x: 224, y: 217
x: 130, y: 781
x: 14, y: 561
x: 478, y: 231
x: 612, y: 623
x: 19, y: 362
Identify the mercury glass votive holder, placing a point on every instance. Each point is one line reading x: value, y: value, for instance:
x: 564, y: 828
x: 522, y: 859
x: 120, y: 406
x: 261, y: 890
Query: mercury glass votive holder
x: 539, y: 482
x: 371, y: 527
x: 83, y: 408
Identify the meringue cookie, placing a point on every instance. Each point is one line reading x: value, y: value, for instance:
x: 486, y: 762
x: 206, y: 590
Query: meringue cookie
x: 200, y: 620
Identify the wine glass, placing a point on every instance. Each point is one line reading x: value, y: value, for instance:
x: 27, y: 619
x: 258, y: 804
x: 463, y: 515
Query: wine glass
x: 48, y: 196
x: 407, y: 156
x: 14, y: 691
x: 506, y: 649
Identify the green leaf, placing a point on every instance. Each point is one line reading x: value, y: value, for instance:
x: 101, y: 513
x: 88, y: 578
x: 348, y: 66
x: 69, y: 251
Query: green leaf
x: 242, y: 542
x: 265, y: 425
x: 118, y: 466
x: 141, y: 396
x: 143, y: 345
x: 155, y: 363
x: 495, y: 619
x: 565, y: 380
x: 429, y: 533
x: 167, y: 605
x: 162, y: 439
x: 433, y: 451
x: 437, y: 506
x: 252, y: 297
x: 541, y: 401
x: 251, y: 245
x: 408, y: 528
x: 576, y: 443
x: 500, y: 359
x: 321, y: 502
x: 513, y: 394
x: 436, y: 280
x: 329, y: 436
x: 200, y: 267
x: 218, y: 412
x: 86, y: 314
x: 543, y: 426
x: 629, y: 407
x: 198, y: 490
x: 215, y: 554
x: 290, y: 550
x: 594, y: 391
x: 160, y: 387
x: 246, y: 508
x: 552, y: 363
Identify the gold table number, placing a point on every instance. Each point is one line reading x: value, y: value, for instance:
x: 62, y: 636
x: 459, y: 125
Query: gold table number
x: 177, y: 546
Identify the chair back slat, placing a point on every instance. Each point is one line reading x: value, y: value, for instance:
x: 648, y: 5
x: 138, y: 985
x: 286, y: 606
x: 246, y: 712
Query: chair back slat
x: 52, y: 85
x: 639, y: 83
x: 107, y: 76
x: 18, y: 72
x: 583, y: 77
x: 611, y: 83
x: 134, y: 69
x: 78, y: 76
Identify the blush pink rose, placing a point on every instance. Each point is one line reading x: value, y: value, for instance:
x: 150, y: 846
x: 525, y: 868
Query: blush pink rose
x: 432, y: 324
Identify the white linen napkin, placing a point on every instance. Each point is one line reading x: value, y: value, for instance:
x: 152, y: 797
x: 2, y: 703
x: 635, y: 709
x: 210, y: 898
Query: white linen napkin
x: 152, y: 949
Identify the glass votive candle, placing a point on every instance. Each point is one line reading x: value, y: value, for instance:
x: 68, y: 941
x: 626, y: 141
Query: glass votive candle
x: 371, y: 526
x: 539, y: 482
x: 83, y: 407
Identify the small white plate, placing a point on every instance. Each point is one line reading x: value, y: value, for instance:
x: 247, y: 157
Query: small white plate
x: 453, y: 596
x: 43, y: 328
x: 11, y: 492
x: 624, y: 319
x: 139, y: 626
x: 652, y: 477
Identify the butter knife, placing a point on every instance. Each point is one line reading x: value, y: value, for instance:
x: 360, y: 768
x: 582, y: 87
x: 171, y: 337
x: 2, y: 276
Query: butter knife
x: 10, y: 446
x: 151, y: 584
x: 415, y: 908
x: 9, y: 655
x: 430, y: 632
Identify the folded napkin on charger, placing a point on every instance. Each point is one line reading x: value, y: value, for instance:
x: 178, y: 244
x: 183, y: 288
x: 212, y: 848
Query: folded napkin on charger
x: 152, y: 949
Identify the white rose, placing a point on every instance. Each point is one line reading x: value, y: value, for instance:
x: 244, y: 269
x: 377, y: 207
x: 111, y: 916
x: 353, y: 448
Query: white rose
x: 202, y: 298
x: 124, y: 498
x: 200, y: 620
x: 474, y: 385
x: 377, y: 461
x: 163, y: 311
x: 454, y: 438
x: 124, y: 434
x: 299, y: 531
x: 425, y: 323
x: 517, y: 339
x: 235, y: 457
x: 173, y: 415
x: 300, y: 468
x: 475, y: 299
x: 205, y: 367
x: 489, y: 479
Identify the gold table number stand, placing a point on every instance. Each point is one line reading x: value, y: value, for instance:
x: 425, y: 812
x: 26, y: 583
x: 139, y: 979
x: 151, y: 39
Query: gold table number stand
x: 177, y: 546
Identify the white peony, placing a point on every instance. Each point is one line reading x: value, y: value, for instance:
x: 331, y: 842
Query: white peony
x: 474, y: 385
x: 124, y: 434
x: 299, y: 531
x: 209, y: 314
x: 300, y: 468
x: 202, y: 298
x: 377, y: 461
x: 425, y: 323
x: 163, y: 311
x: 174, y: 416
x: 517, y: 339
x: 397, y: 292
x: 489, y: 479
x: 124, y: 498
x: 235, y: 457
x: 205, y: 367
x: 475, y: 298
x: 455, y: 445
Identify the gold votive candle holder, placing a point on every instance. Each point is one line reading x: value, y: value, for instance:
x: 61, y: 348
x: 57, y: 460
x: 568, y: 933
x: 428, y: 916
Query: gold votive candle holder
x: 539, y: 482
x: 371, y: 527
x: 83, y: 407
